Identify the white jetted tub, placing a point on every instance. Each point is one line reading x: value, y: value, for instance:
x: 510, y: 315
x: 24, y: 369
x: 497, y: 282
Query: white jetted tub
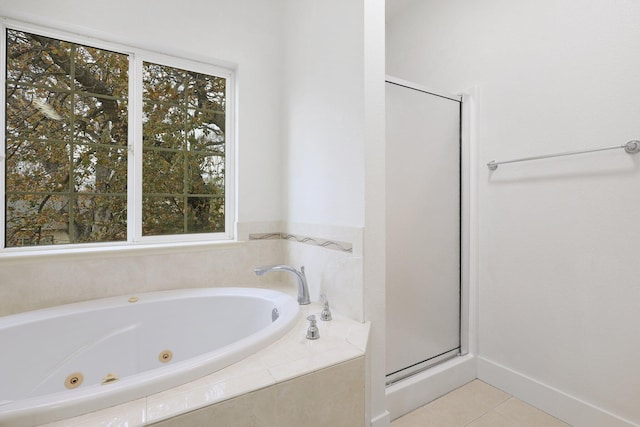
x: 68, y: 360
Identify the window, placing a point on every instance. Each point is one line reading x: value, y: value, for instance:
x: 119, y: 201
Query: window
x: 103, y: 146
x: 183, y: 151
x: 65, y: 142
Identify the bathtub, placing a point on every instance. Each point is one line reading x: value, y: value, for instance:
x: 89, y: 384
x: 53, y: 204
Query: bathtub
x: 68, y: 360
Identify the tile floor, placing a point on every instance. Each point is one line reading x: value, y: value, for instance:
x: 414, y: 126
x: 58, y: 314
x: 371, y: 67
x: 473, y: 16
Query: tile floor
x: 477, y: 404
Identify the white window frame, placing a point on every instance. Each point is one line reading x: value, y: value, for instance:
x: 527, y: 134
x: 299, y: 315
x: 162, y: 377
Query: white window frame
x: 135, y: 149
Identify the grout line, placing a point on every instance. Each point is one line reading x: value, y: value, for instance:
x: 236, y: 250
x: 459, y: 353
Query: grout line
x: 511, y: 418
x: 493, y: 408
x: 488, y: 411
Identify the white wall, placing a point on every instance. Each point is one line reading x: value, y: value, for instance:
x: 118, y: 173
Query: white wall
x: 324, y: 112
x: 245, y: 35
x: 334, y: 133
x: 375, y: 194
x: 324, y: 142
x: 559, y: 238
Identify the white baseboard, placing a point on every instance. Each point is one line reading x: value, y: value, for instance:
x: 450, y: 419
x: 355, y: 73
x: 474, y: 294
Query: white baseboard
x: 554, y: 402
x: 420, y: 389
x: 382, y: 420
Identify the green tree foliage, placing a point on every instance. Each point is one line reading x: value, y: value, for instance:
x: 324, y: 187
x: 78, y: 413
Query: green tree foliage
x: 183, y: 134
x: 67, y: 137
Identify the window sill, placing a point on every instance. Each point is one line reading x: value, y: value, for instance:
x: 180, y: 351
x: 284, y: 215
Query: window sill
x: 114, y: 251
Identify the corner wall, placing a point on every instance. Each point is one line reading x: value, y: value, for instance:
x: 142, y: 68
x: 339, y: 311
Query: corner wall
x: 558, y: 237
x: 324, y: 112
x: 323, y: 143
x: 334, y: 137
x: 374, y: 212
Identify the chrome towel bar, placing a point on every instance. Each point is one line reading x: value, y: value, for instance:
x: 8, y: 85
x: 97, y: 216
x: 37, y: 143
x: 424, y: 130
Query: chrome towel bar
x: 630, y: 147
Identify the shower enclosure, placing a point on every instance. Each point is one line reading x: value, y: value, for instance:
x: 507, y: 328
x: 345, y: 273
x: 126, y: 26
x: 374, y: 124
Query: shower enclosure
x: 423, y: 229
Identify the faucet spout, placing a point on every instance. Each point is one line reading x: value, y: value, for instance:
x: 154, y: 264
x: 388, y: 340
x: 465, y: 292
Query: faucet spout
x: 303, y: 289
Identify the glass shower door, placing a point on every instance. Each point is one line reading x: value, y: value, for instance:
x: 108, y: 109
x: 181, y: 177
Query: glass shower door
x: 422, y: 230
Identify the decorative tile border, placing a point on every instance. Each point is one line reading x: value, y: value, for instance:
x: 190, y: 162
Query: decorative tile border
x: 329, y: 244
x: 323, y: 243
x: 265, y: 236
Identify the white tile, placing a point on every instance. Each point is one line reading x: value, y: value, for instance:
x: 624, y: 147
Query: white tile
x: 338, y: 328
x: 188, y: 398
x: 318, y: 361
x: 289, y: 349
x: 478, y: 404
x: 359, y: 335
x: 526, y: 415
x: 245, y: 228
x: 493, y: 419
x: 295, y: 355
x: 338, y: 397
x: 131, y: 414
x: 458, y: 408
x: 257, y: 409
x: 337, y: 274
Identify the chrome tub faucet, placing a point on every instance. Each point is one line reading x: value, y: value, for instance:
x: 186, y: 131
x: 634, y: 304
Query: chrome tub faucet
x: 303, y: 289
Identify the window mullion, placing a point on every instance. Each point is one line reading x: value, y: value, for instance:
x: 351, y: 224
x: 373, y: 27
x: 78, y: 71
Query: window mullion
x: 230, y: 203
x: 185, y: 156
x: 72, y: 120
x: 3, y: 83
x: 134, y: 176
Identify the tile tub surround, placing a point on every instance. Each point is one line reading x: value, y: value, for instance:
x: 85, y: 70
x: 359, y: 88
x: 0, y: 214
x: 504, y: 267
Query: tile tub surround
x: 279, y: 368
x: 34, y: 282
x: 333, y: 396
x: 331, y: 255
x: 336, y: 273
